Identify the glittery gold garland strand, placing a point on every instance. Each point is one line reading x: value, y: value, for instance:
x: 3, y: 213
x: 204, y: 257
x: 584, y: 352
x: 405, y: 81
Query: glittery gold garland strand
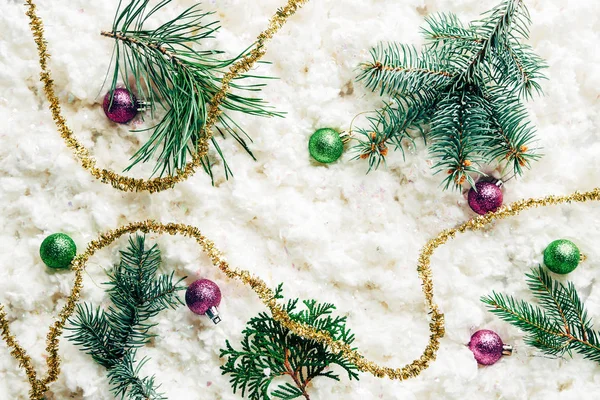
x: 130, y: 184
x: 436, y: 326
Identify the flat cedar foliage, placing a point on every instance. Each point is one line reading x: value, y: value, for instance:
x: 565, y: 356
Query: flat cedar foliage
x: 274, y: 363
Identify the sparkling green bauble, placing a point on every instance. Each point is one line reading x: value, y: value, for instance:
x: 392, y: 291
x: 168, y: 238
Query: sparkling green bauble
x: 561, y: 256
x: 325, y: 145
x: 58, y: 250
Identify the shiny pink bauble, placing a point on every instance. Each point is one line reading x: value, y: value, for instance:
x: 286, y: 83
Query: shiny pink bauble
x: 487, y: 347
x: 201, y: 295
x: 485, y: 197
x: 124, y: 106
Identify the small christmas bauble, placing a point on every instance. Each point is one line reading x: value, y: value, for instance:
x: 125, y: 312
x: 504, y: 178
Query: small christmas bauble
x: 58, y: 250
x: 326, y: 145
x: 485, y: 197
x: 203, y: 297
x: 487, y: 347
x: 124, y: 106
x: 562, y: 256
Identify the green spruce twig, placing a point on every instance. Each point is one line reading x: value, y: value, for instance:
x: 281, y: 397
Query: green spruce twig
x: 169, y: 73
x: 112, y: 337
x: 466, y: 85
x: 270, y: 352
x: 559, y: 324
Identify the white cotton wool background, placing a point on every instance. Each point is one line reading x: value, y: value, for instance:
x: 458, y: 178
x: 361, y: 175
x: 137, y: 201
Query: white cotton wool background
x: 331, y: 233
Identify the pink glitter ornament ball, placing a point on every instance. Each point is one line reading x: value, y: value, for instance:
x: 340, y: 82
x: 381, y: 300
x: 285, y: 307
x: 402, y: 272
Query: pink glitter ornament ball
x: 485, y: 197
x: 124, y: 106
x: 203, y: 297
x: 487, y: 347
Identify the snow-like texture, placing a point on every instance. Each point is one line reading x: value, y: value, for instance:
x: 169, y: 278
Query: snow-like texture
x: 331, y: 232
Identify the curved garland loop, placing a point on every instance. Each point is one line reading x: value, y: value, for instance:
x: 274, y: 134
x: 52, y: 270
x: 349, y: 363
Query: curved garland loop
x: 129, y: 184
x: 39, y: 386
x: 265, y: 294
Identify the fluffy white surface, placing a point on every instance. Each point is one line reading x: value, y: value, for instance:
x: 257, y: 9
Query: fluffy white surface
x: 330, y: 232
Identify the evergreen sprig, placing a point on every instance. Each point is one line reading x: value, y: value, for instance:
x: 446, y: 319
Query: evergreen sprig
x: 170, y: 74
x: 112, y: 337
x: 466, y: 84
x: 559, y: 324
x: 270, y: 352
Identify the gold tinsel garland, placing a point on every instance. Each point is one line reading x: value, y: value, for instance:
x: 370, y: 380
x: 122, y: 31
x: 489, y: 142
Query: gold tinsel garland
x: 39, y: 386
x: 265, y: 294
x: 130, y: 184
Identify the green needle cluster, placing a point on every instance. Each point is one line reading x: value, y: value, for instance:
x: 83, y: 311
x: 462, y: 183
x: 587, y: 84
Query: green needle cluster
x: 462, y: 93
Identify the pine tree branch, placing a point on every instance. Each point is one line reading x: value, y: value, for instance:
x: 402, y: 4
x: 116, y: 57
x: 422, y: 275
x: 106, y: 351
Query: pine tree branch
x: 379, y: 68
x: 397, y: 122
x: 169, y: 75
x: 561, y: 327
x: 577, y: 311
x: 483, y: 60
x: 513, y: 135
x: 517, y: 66
x: 149, y: 45
x: 551, y: 297
x: 457, y: 130
x: 125, y: 381
x: 442, y: 28
x: 93, y: 335
x: 399, y: 69
x: 112, y: 337
x: 523, y: 318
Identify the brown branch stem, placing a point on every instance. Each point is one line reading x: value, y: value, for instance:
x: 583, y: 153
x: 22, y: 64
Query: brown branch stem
x: 128, y: 39
x: 381, y: 67
x: 294, y: 375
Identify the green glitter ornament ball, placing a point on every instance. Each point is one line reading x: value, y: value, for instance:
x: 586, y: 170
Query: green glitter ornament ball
x: 325, y: 145
x: 561, y: 256
x: 58, y: 250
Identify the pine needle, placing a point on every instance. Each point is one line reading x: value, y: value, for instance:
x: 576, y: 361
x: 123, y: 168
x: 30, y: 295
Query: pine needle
x: 173, y: 77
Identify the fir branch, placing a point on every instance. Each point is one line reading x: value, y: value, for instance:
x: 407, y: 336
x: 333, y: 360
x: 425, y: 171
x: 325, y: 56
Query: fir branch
x: 399, y: 121
x: 125, y: 381
x: 473, y: 77
x: 518, y: 67
x: 560, y: 325
x: 512, y: 135
x: 93, y: 335
x: 494, y: 30
x: 111, y: 337
x: 171, y: 76
x: 459, y: 125
x: 399, y: 69
x: 443, y: 28
x: 270, y: 351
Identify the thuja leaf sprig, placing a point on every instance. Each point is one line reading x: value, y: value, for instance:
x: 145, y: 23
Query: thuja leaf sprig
x: 466, y: 86
x: 558, y: 326
x: 112, y: 337
x: 169, y: 73
x: 270, y: 352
